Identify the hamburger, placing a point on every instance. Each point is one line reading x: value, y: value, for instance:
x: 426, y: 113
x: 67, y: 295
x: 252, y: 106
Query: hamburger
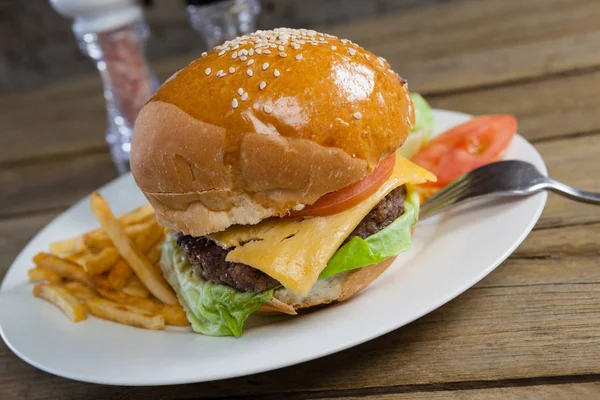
x: 272, y: 159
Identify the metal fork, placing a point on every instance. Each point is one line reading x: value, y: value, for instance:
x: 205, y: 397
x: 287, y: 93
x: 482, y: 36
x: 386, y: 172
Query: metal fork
x: 501, y: 179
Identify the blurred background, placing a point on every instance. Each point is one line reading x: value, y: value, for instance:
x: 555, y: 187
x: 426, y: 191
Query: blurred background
x: 37, y: 45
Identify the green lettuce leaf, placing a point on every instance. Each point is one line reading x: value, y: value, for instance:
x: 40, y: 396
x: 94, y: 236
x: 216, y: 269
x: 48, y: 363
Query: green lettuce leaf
x: 423, y: 115
x: 212, y: 309
x: 389, y: 242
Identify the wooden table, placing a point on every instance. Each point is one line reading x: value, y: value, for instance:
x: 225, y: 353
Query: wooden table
x: 529, y: 330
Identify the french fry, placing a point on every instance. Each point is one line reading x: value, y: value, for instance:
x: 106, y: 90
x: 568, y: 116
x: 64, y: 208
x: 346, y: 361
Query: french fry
x: 98, y: 239
x: 65, y: 268
x: 76, y: 257
x: 174, y: 315
x: 119, y: 274
x: 124, y: 314
x: 41, y: 274
x: 67, y: 246
x: 102, y: 261
x: 61, y: 298
x: 136, y: 288
x: 123, y: 298
x: 139, y: 215
x: 79, y: 290
x: 138, y: 262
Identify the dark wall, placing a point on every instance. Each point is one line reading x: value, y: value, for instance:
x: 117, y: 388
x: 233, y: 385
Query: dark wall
x: 37, y: 46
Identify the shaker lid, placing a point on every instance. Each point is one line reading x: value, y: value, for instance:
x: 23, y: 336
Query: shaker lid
x: 93, y: 16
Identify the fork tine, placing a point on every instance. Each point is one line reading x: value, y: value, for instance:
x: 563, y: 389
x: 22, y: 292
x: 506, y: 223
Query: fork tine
x: 454, y: 192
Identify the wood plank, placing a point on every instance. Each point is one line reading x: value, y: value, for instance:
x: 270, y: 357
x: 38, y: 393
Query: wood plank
x: 498, y: 65
x: 582, y: 391
x: 515, y: 41
x: 573, y: 162
x: 526, y: 39
x: 52, y: 185
x: 546, y: 109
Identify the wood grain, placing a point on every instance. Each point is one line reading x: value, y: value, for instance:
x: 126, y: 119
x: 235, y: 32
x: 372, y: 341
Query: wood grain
x: 582, y: 391
x: 534, y: 39
x: 488, y: 333
x: 528, y: 330
x: 551, y: 108
x: 52, y: 185
x: 546, y: 297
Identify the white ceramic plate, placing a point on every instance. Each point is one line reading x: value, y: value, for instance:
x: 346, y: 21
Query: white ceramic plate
x: 450, y: 254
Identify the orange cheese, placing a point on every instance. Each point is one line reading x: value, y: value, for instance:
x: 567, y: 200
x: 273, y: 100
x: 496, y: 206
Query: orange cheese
x: 295, y: 251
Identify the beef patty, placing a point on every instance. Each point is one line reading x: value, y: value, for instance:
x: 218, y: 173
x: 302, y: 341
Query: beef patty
x: 208, y: 259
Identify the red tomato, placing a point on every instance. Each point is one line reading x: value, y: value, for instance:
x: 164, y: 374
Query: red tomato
x: 465, y: 147
x: 349, y: 196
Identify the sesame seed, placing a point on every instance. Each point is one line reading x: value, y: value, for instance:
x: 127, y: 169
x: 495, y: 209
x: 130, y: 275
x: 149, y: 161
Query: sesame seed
x: 249, y: 72
x: 250, y: 62
x: 258, y: 51
x: 276, y: 73
x: 220, y: 72
x: 204, y: 54
x: 237, y: 46
x: 368, y: 57
x: 240, y: 91
x: 357, y: 115
x: 234, y: 55
x: 234, y: 103
x: 267, y: 109
x: 221, y: 52
x: 262, y: 85
x: 273, y: 46
x: 251, y: 52
x: 231, y: 70
x: 207, y: 71
x: 282, y: 54
x: 280, y: 48
x: 352, y: 51
x: 243, y: 58
x: 265, y: 66
x: 344, y: 41
x: 296, y: 46
x: 333, y: 47
x: 267, y: 51
x: 299, y: 57
x: 244, y: 96
x: 244, y: 52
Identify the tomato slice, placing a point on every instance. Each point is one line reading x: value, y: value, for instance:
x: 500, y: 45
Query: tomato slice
x: 349, y: 196
x: 480, y: 141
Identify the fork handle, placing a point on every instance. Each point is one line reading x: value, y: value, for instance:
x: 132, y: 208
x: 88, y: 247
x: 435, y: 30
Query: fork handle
x: 574, y: 194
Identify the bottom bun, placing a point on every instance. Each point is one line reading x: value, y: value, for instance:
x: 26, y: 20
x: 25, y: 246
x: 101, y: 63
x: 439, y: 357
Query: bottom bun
x: 339, y: 287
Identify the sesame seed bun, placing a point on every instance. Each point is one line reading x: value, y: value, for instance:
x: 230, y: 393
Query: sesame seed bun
x: 264, y: 124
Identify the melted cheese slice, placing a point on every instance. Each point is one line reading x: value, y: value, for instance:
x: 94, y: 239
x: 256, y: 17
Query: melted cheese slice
x: 295, y: 251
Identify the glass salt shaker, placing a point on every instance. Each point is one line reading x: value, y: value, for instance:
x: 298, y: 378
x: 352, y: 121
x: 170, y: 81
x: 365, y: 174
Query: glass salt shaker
x: 222, y: 20
x: 113, y: 34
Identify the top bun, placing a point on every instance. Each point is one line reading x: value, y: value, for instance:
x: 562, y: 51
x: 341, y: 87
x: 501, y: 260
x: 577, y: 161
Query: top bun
x: 264, y: 124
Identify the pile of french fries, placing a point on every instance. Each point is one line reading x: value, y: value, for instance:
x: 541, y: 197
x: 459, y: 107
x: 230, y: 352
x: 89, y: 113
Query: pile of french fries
x: 112, y: 272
